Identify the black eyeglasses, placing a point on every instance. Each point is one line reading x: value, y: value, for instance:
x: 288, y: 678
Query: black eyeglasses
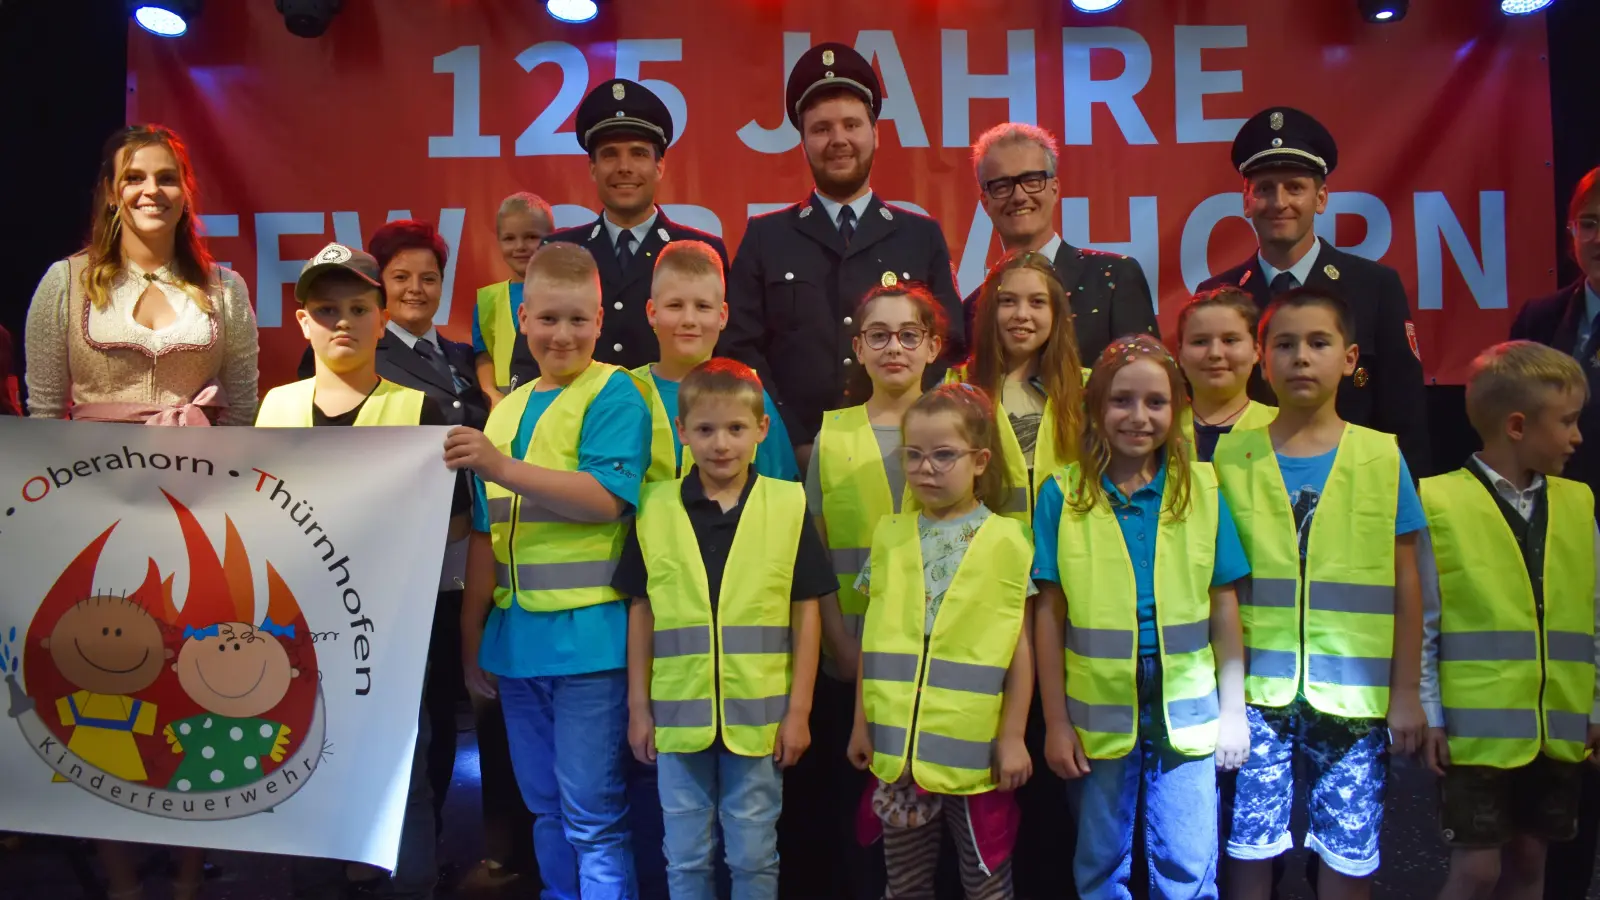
x: 909, y: 338
x: 1001, y: 188
x: 941, y: 460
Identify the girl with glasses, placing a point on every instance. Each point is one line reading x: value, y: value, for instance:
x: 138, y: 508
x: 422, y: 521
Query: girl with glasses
x: 946, y: 678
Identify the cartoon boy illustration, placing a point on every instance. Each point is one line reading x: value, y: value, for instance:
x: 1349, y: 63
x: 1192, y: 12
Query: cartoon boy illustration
x: 236, y: 672
x: 110, y: 648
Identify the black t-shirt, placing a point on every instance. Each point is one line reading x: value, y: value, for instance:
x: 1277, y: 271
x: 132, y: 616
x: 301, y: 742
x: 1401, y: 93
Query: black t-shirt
x: 714, y: 531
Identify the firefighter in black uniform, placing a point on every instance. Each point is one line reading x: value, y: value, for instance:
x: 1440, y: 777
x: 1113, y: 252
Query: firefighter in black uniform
x: 800, y: 271
x: 625, y: 129
x: 1285, y: 157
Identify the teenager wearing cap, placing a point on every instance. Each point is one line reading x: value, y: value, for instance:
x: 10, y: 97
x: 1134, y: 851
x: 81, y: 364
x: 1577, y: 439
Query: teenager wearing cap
x: 626, y: 130
x: 801, y: 270
x: 1286, y: 156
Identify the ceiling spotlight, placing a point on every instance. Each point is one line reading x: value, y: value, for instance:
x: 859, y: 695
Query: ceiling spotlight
x: 1384, y: 10
x: 1094, y: 6
x: 1523, y: 7
x: 164, y: 18
x: 572, y: 10
x: 308, y: 18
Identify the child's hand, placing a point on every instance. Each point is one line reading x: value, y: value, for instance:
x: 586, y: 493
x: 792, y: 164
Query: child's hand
x: 794, y: 738
x: 1436, y: 749
x: 1593, y: 743
x: 860, y: 752
x: 478, y: 681
x: 1233, y: 741
x: 1407, y: 723
x: 1063, y: 752
x: 642, y: 735
x: 1012, y: 764
x: 469, y: 448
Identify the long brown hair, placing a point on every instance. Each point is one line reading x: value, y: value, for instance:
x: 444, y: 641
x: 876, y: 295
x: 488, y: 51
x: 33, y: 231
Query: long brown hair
x: 191, y: 266
x: 976, y: 412
x: 1095, y: 457
x: 858, y: 384
x: 1059, y: 366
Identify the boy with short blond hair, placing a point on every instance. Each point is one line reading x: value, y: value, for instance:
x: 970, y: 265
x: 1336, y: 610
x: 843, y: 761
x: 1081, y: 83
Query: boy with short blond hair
x: 1510, y: 613
x: 688, y: 311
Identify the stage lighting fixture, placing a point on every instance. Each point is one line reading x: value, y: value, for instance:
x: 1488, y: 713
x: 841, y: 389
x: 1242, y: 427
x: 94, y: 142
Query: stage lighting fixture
x: 572, y: 10
x: 308, y: 18
x: 1523, y: 7
x: 1384, y: 10
x: 1094, y: 6
x: 164, y: 18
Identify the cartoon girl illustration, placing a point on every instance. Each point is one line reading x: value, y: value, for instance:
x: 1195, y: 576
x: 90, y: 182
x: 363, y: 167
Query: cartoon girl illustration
x: 236, y: 673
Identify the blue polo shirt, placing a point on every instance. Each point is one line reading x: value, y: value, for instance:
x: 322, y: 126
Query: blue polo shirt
x: 774, y: 456
x: 1139, y: 517
x: 478, y: 346
x: 614, y: 448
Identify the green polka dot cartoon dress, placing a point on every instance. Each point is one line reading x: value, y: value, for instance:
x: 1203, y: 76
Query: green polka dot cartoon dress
x: 221, y: 753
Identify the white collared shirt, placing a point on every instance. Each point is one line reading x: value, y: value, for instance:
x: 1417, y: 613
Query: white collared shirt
x: 639, y: 231
x: 1591, y: 308
x: 832, y: 207
x: 410, y: 339
x: 1300, y: 270
x: 1051, y: 248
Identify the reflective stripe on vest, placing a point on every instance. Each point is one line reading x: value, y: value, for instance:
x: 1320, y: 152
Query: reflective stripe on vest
x: 1346, y: 608
x: 1103, y: 624
x: 544, y: 562
x: 499, y: 330
x: 290, y: 406
x: 1500, y: 673
x: 942, y: 705
x: 665, y: 464
x: 1255, y: 415
x: 749, y: 664
x: 855, y: 496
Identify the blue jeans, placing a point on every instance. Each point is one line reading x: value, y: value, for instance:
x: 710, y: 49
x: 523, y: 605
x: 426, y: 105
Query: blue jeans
x: 1180, y: 812
x: 746, y: 794
x: 567, y: 735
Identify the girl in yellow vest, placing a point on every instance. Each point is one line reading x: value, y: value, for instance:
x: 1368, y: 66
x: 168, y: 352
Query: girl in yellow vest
x: 946, y: 675
x: 1137, y: 559
x: 1217, y: 350
x: 854, y: 478
x: 1025, y: 354
x: 503, y: 360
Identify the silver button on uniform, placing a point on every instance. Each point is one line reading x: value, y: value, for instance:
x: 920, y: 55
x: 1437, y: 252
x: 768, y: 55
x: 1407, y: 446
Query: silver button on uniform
x: 849, y: 321
x: 617, y: 305
x: 617, y: 347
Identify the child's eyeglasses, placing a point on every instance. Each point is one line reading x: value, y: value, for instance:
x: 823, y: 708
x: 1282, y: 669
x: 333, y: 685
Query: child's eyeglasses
x: 940, y: 460
x: 909, y: 338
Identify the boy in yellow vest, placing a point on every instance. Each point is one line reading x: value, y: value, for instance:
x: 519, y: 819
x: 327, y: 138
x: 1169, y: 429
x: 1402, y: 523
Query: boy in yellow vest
x: 688, y: 312
x: 559, y: 467
x: 1509, y: 614
x: 1332, y: 622
x: 723, y: 637
x: 343, y: 315
x: 503, y: 361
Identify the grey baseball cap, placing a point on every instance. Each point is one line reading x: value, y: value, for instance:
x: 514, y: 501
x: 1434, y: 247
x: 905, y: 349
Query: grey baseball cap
x: 337, y: 257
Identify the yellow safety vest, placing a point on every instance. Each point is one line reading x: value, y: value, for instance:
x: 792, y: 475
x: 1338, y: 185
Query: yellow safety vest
x: 1511, y: 684
x: 664, y: 462
x: 499, y: 330
x: 1102, y: 639
x: 742, y: 653
x: 544, y: 561
x: 1255, y: 415
x: 1334, y: 628
x: 945, y: 694
x: 1046, y: 458
x: 289, y: 406
x: 855, y: 496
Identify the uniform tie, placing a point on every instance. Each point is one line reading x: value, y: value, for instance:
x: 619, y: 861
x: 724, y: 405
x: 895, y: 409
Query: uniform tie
x: 426, y: 350
x: 1284, y: 282
x: 624, y: 248
x: 847, y: 224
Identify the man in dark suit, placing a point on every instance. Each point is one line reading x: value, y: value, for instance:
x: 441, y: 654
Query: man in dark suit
x: 1567, y: 320
x: 1285, y: 157
x: 1016, y: 169
x: 626, y: 130
x: 801, y: 271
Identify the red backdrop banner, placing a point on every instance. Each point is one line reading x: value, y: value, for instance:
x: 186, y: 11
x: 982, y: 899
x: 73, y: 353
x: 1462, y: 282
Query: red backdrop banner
x: 439, y: 108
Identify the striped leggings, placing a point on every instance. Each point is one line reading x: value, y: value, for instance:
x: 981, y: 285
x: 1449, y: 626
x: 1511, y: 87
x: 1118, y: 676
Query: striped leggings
x: 912, y: 857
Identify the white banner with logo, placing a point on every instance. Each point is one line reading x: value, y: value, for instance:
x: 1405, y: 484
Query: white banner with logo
x: 216, y: 637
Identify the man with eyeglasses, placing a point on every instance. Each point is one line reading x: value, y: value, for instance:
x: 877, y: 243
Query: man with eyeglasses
x: 800, y: 271
x: 1015, y: 165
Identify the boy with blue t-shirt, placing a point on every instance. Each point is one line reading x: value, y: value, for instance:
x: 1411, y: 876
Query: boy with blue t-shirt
x: 559, y: 467
x: 1333, y: 621
x: 688, y: 311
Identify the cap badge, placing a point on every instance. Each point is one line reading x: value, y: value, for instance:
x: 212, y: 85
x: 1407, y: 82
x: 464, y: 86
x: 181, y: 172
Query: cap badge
x: 1277, y: 142
x: 828, y: 74
x: 662, y: 233
x: 619, y: 91
x: 334, y: 253
x: 1331, y: 271
x: 1276, y: 121
x: 889, y: 279
x: 884, y: 211
x: 827, y: 60
x: 1360, y: 377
